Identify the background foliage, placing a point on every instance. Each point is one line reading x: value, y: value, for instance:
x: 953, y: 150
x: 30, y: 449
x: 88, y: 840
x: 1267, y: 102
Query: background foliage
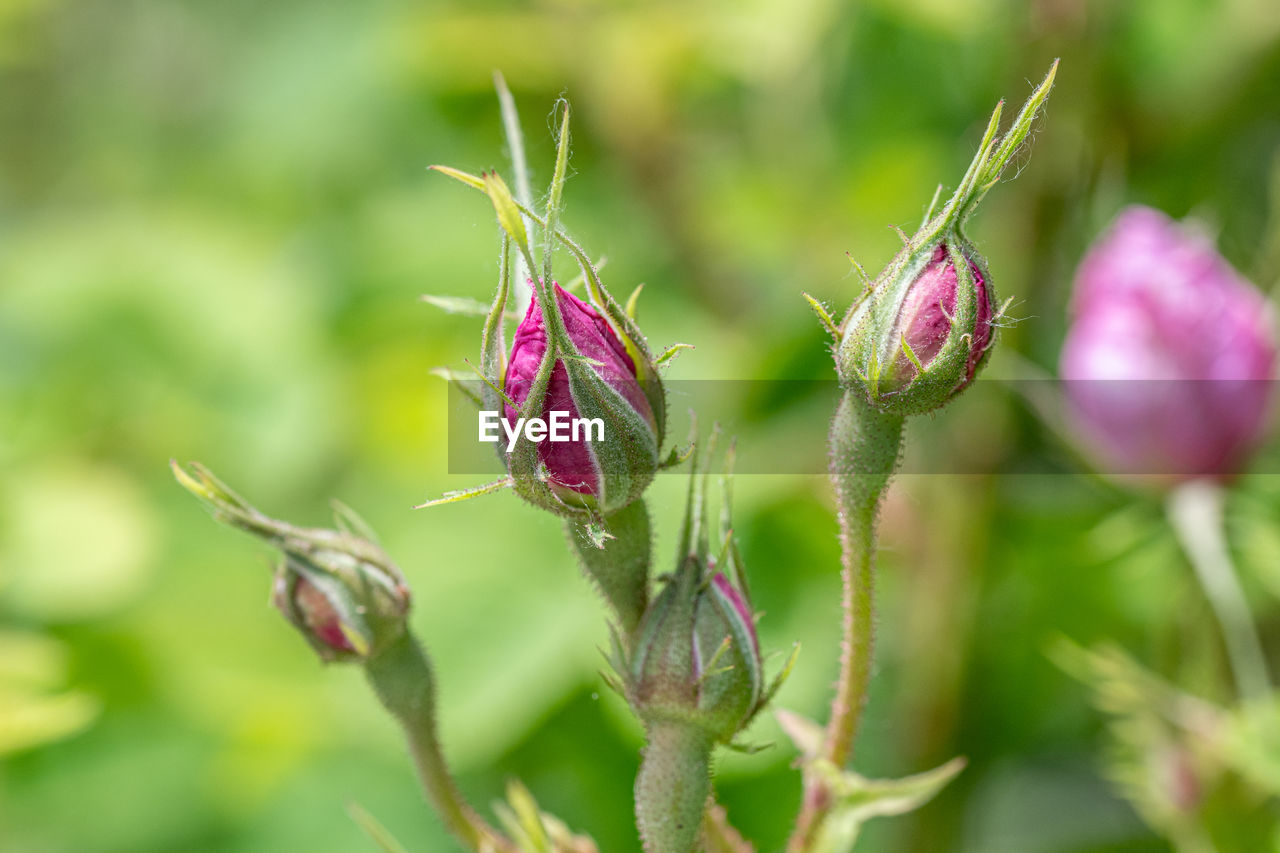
x: 215, y: 222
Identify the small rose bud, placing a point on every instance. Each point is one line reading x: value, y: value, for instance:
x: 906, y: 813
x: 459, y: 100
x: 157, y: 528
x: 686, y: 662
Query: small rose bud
x: 697, y: 657
x: 595, y: 380
x: 694, y: 677
x: 1170, y: 357
x: 342, y: 592
x: 303, y: 604
x: 337, y: 587
x: 918, y: 339
x: 920, y: 334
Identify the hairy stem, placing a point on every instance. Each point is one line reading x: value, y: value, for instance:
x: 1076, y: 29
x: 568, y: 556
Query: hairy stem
x: 619, y: 569
x: 1195, y: 510
x: 673, y: 786
x: 864, y: 445
x: 404, y: 682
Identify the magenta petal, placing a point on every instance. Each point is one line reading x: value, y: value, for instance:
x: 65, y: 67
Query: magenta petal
x: 735, y: 598
x: 571, y: 464
x: 924, y: 318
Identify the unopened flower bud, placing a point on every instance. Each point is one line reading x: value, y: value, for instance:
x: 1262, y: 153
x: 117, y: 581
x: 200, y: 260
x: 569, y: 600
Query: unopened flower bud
x: 608, y: 393
x: 336, y: 586
x: 694, y: 676
x: 1170, y: 358
x: 697, y: 658
x: 923, y: 329
x: 920, y: 336
x: 342, y: 592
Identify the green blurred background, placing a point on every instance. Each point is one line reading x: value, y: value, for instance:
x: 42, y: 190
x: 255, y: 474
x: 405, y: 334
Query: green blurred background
x: 215, y: 224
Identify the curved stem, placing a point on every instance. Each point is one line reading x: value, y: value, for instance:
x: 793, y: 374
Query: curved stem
x: 1195, y: 510
x: 864, y: 448
x: 403, y: 680
x: 673, y: 786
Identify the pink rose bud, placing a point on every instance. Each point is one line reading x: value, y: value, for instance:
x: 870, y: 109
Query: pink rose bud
x: 1170, y: 356
x: 302, y: 601
x: 606, y: 402
x: 920, y: 338
x: 696, y: 657
x: 921, y: 331
x: 336, y: 586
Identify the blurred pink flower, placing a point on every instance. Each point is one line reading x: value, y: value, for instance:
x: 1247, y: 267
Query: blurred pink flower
x: 1170, y: 356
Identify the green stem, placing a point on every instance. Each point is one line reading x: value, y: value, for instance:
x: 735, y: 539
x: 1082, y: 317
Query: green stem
x: 619, y: 570
x: 672, y: 786
x: 1196, y: 512
x: 864, y: 448
x: 404, y: 682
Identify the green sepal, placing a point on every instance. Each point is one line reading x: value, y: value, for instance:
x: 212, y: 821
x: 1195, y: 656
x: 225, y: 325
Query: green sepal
x: 857, y: 799
x: 463, y: 306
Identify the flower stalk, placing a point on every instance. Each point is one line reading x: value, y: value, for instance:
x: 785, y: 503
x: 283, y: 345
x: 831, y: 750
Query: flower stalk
x: 673, y: 785
x: 1196, y: 512
x: 865, y: 445
x: 618, y: 566
x: 907, y: 346
x: 342, y: 592
x: 405, y: 684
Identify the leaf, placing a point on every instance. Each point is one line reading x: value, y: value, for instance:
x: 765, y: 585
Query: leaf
x: 463, y: 306
x: 671, y: 352
x: 380, y: 835
x: 508, y: 213
x: 526, y: 811
x: 1251, y: 745
x: 858, y: 800
x: 459, y: 175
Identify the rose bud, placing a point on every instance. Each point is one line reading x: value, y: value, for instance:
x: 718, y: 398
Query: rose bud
x: 923, y: 329
x: 923, y: 333
x: 337, y: 587
x: 694, y: 677
x: 697, y: 657
x: 1170, y: 355
x: 596, y: 377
